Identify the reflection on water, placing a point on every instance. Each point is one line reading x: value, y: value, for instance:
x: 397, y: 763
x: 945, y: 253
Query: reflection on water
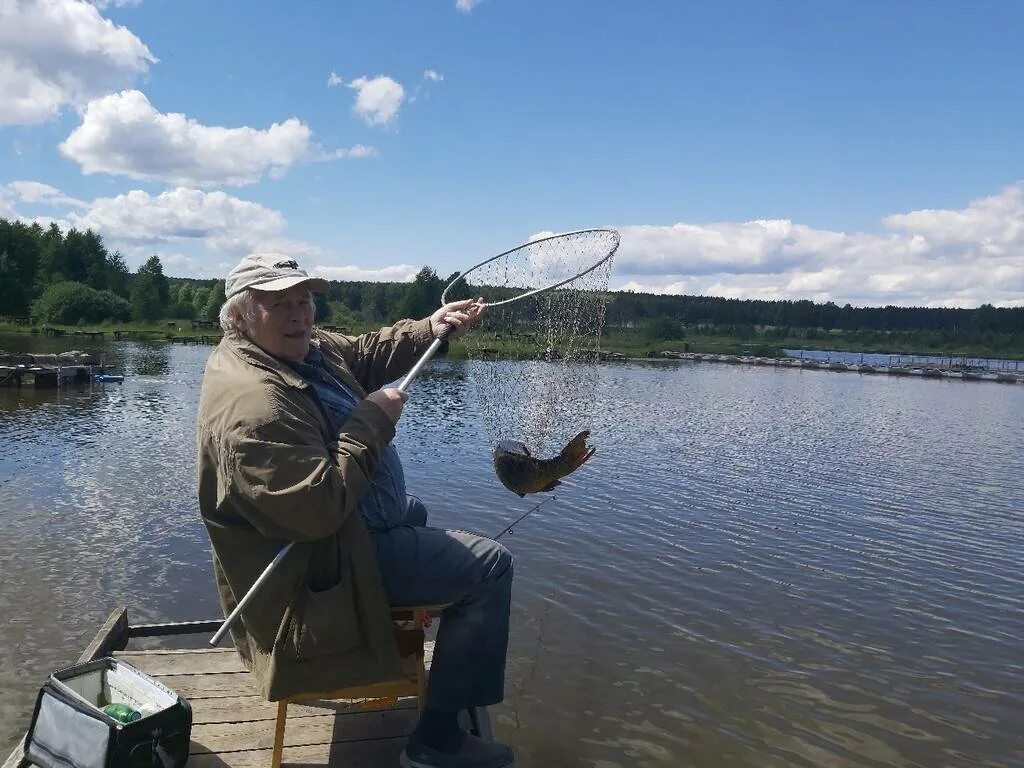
x: 757, y: 568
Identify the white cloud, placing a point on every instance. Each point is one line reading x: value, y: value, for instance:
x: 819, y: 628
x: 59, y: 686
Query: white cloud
x: 124, y: 134
x: 115, y: 3
x: 196, y: 233
x: 466, y: 5
x: 433, y: 76
x: 400, y: 273
x: 929, y: 257
x: 675, y: 288
x: 7, y: 210
x: 334, y: 79
x: 378, y: 99
x: 61, y: 52
x: 33, y: 192
x: 356, y: 151
x: 214, y: 219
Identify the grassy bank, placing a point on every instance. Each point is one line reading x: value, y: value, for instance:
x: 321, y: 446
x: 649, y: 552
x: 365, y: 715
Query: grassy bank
x: 635, y: 342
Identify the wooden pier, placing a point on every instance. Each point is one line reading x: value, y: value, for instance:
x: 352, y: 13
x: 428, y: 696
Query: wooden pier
x: 48, y: 371
x: 233, y: 726
x: 923, y: 370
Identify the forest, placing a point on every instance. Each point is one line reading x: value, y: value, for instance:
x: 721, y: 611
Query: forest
x: 49, y: 277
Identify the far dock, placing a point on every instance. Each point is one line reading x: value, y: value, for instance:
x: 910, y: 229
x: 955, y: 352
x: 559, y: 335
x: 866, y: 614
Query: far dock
x: 897, y: 368
x: 48, y: 371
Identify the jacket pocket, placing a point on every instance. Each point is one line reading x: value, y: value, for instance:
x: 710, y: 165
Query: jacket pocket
x: 328, y: 623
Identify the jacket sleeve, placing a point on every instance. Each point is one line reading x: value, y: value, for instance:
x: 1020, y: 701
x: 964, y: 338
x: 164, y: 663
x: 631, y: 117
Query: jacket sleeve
x: 380, y: 357
x: 290, y: 485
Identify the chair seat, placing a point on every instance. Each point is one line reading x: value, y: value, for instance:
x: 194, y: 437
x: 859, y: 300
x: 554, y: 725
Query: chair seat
x: 415, y: 654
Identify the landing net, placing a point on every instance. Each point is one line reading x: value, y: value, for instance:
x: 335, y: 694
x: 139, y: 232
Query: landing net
x: 533, y: 357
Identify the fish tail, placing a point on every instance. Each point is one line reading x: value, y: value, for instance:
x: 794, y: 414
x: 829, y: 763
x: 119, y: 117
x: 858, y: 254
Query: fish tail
x: 576, y: 453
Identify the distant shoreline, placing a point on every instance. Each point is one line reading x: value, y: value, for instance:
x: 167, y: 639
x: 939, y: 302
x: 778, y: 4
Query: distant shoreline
x: 630, y: 345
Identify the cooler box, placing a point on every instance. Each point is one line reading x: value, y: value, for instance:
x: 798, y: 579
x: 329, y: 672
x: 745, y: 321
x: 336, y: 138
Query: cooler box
x: 69, y: 728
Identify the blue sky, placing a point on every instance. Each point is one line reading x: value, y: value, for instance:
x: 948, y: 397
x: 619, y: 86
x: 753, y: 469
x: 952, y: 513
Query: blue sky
x: 863, y: 152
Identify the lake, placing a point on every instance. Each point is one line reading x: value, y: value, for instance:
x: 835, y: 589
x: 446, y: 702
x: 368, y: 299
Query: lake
x: 759, y: 567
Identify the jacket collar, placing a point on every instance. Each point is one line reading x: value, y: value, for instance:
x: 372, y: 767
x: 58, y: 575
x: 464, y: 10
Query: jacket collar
x: 249, y: 352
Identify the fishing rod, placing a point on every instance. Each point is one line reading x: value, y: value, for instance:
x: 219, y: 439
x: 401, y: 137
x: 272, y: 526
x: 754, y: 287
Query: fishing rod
x: 215, y: 640
x: 538, y: 505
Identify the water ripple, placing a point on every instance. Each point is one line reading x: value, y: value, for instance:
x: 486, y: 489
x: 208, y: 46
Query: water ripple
x: 757, y: 568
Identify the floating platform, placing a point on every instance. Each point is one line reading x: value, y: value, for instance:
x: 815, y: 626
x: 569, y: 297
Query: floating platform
x: 51, y: 371
x: 233, y: 725
x: 1003, y: 376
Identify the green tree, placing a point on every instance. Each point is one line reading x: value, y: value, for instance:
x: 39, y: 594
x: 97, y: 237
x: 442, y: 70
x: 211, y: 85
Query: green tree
x: 118, y: 274
x: 214, y: 300
x: 664, y: 329
x: 199, y: 298
x: 145, y: 298
x: 322, y: 309
x: 19, y: 262
x: 458, y: 290
x: 50, y: 241
x: 70, y: 303
x: 155, y: 268
x: 422, y: 296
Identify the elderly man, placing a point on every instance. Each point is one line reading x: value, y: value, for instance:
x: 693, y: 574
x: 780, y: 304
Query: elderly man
x: 293, y: 449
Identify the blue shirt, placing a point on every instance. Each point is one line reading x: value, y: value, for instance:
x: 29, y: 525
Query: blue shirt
x: 384, y: 503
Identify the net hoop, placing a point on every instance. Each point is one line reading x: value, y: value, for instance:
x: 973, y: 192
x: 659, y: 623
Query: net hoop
x: 543, y: 289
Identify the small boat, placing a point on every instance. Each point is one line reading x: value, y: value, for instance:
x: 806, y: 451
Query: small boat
x: 232, y: 725
x: 108, y: 378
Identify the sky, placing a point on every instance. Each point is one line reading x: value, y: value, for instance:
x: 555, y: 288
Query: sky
x: 869, y: 153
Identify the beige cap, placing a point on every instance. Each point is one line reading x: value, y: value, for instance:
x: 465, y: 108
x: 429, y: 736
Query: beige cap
x: 270, y: 272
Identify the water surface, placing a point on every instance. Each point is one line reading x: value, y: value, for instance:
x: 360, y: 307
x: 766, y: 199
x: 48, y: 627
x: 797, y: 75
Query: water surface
x: 759, y: 567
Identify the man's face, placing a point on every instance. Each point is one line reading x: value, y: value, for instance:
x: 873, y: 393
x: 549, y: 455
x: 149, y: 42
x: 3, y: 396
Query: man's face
x: 284, y: 322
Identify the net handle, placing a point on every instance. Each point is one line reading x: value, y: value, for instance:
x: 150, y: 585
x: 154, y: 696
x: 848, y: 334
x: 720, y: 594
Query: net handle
x: 544, y: 289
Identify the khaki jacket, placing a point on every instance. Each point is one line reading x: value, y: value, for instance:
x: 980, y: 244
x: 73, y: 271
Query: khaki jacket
x: 272, y: 471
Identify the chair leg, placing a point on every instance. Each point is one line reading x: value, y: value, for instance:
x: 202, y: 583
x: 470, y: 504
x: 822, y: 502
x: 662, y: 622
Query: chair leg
x: 282, y: 716
x: 421, y: 670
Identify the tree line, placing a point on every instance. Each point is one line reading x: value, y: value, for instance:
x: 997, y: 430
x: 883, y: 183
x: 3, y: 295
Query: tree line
x: 71, y: 278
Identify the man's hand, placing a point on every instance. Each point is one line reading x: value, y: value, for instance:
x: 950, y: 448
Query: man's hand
x: 460, y: 315
x: 389, y: 400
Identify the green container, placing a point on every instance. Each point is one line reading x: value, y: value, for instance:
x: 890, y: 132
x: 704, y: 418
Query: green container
x: 122, y: 713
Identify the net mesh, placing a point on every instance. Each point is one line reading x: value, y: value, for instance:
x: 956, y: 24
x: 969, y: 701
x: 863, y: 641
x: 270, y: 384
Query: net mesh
x: 532, y: 360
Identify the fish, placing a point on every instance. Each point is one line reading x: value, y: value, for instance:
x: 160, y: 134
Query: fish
x: 522, y: 473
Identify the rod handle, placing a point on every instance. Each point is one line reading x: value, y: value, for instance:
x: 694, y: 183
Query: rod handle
x: 438, y: 341
x: 248, y: 596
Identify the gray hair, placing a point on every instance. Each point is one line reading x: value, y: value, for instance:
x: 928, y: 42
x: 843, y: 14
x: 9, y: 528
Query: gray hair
x: 238, y: 312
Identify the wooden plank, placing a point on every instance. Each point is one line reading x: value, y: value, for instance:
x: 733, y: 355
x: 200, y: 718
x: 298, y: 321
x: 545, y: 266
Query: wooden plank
x: 234, y: 684
x: 256, y: 708
x: 167, y: 664
x: 201, y: 661
x: 304, y: 731
x: 228, y: 684
x: 351, y: 754
x: 113, y: 636
x: 175, y: 628
x: 221, y: 684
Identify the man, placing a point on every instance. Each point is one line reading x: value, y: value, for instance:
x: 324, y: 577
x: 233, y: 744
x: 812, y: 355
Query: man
x: 293, y: 449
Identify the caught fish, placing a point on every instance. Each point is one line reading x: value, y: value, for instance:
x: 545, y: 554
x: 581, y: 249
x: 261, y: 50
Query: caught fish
x: 523, y: 473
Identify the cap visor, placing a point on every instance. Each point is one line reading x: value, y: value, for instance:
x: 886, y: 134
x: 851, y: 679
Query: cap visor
x: 315, y: 284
